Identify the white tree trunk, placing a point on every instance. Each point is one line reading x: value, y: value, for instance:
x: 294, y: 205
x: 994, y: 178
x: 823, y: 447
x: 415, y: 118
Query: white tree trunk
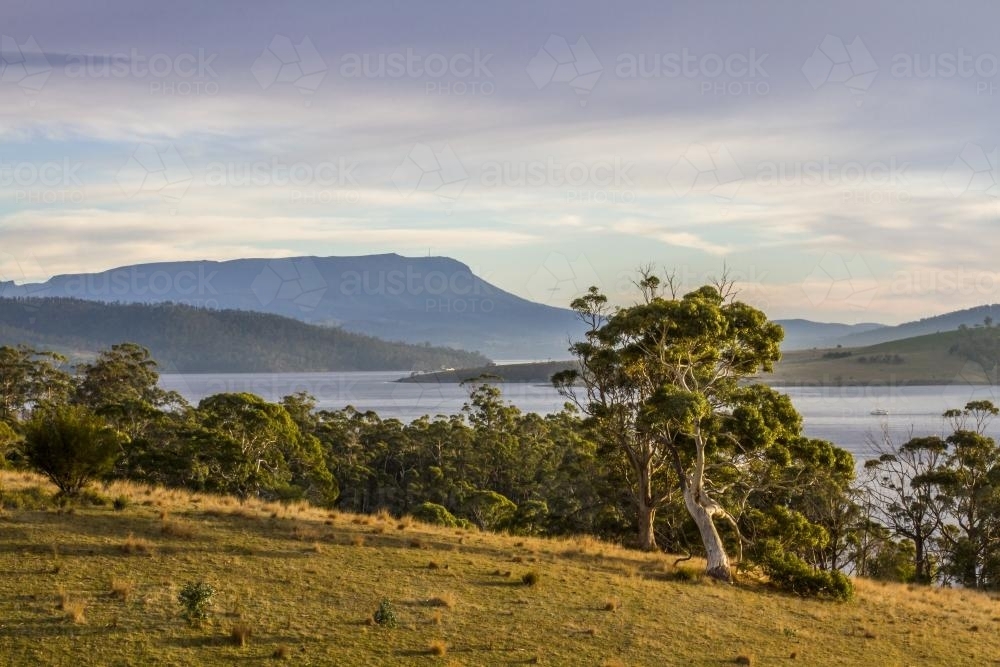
x: 703, y: 510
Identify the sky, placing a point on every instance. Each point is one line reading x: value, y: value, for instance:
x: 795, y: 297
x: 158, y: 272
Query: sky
x: 838, y: 160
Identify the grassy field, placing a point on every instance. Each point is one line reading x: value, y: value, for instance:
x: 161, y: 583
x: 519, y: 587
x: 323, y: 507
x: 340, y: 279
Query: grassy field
x: 923, y: 360
x: 96, y: 586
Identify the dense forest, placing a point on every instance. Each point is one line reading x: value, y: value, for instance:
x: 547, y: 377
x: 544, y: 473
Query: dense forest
x: 189, y: 339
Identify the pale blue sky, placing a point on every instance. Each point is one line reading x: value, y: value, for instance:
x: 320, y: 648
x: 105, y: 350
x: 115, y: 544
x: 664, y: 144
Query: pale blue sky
x: 838, y: 158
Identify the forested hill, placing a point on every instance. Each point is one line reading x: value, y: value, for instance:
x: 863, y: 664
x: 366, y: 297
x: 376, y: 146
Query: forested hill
x: 190, y: 339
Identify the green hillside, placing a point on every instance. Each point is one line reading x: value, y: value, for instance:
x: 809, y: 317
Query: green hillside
x: 930, y: 359
x: 941, y: 358
x: 189, y: 339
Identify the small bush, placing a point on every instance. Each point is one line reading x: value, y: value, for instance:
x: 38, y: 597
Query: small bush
x: 121, y: 503
x: 385, y: 615
x: 195, y: 599
x: 437, y: 647
x: 789, y: 572
x: 612, y: 604
x: 531, y: 578
x: 281, y: 653
x: 435, y: 514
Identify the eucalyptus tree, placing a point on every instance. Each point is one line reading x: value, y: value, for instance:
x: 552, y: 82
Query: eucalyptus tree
x: 663, y: 382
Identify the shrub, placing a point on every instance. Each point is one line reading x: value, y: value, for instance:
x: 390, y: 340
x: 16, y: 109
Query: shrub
x: 491, y: 510
x: 531, y: 578
x: 71, y: 446
x: 435, y: 514
x: 121, y: 503
x: 385, y: 615
x: 437, y: 647
x: 195, y: 599
x: 791, y: 573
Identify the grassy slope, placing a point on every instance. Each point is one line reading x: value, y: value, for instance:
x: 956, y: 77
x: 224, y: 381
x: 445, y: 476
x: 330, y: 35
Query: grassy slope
x: 308, y: 580
x: 926, y: 361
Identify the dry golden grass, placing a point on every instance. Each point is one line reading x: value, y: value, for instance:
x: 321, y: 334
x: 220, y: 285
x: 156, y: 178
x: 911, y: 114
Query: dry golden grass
x: 137, y: 545
x: 446, y: 600
x: 240, y: 633
x: 72, y: 607
x: 121, y: 589
x: 312, y: 604
x: 437, y: 647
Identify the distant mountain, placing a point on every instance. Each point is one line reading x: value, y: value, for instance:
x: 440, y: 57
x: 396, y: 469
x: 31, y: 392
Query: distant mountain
x: 410, y: 299
x: 184, y: 338
x: 805, y: 334
x: 929, y: 325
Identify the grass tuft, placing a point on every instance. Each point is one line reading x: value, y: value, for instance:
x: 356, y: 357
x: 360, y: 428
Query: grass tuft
x: 240, y: 633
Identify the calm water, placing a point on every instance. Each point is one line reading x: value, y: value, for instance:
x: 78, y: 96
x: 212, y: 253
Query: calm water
x: 839, y: 414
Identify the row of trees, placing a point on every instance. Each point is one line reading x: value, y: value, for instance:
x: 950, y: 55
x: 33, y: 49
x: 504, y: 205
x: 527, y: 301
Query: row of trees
x: 941, y: 496
x: 664, y: 443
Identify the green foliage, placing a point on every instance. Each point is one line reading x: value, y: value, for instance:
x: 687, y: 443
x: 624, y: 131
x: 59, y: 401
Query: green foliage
x: 195, y: 600
x: 490, y: 510
x: 202, y: 340
x: 434, y: 514
x: 71, y: 446
x: 385, y: 615
x: 789, y: 572
x: 9, y: 439
x: 30, y: 378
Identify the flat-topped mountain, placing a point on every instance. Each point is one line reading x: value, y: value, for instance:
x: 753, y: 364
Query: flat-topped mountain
x: 410, y: 299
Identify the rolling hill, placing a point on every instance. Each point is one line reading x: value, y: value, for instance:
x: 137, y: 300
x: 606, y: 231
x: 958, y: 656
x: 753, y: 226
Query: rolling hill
x: 921, y: 360
x: 184, y: 338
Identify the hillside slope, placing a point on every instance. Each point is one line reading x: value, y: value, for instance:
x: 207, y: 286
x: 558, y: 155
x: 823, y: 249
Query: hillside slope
x: 919, y: 360
x: 96, y: 586
x: 928, y: 325
x: 183, y: 338
x: 412, y: 299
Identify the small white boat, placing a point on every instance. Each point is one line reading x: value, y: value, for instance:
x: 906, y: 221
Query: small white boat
x: 880, y: 411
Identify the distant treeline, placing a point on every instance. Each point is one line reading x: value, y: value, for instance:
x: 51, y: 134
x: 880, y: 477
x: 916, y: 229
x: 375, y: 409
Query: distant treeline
x: 184, y: 338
